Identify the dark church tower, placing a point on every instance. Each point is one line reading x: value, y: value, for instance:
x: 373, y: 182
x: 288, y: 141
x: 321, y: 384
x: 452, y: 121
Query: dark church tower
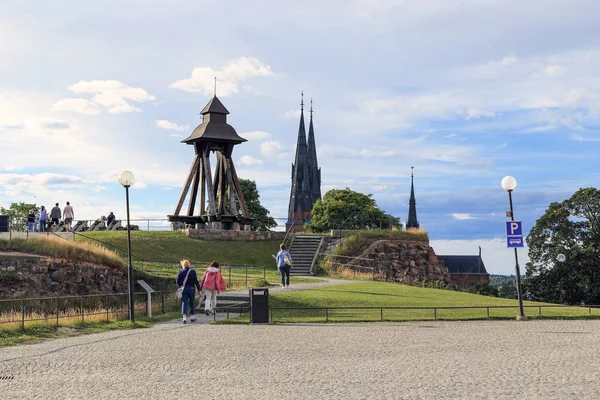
x: 306, y: 178
x: 412, y: 210
x: 313, y: 165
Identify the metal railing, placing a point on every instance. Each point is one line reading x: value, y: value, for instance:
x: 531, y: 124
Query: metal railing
x: 54, y: 311
x: 143, y: 224
x: 349, y: 314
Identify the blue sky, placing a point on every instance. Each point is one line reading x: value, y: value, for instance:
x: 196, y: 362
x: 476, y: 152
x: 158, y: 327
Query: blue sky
x: 466, y: 92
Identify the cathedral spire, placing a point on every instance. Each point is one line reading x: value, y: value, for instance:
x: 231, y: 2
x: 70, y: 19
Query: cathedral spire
x: 412, y: 210
x: 300, y: 196
x: 313, y: 165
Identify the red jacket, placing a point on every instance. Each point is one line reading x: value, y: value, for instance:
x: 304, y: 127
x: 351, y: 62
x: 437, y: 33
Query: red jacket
x: 213, y: 280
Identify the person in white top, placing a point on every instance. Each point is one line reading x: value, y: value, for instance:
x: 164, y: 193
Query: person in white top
x: 68, y: 215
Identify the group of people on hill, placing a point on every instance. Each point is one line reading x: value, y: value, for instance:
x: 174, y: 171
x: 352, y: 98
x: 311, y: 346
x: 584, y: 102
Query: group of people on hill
x: 46, y: 220
x: 212, y: 283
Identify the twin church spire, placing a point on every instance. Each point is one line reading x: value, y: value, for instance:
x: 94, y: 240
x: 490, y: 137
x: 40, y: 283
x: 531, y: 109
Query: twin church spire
x: 306, y: 176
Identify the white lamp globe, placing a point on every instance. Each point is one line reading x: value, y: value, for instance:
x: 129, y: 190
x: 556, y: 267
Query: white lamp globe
x: 509, y: 183
x: 126, y: 178
x: 561, y: 257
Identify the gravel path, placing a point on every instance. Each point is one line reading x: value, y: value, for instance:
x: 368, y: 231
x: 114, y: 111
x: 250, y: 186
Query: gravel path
x: 420, y: 360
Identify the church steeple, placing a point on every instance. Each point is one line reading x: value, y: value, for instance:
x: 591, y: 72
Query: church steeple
x: 313, y: 165
x: 300, y: 196
x: 412, y: 210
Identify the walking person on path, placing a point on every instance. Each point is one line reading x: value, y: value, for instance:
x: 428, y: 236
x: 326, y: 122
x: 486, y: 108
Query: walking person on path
x: 212, y: 283
x: 284, y: 264
x: 55, y: 215
x: 43, y: 218
x: 188, y: 279
x: 68, y: 215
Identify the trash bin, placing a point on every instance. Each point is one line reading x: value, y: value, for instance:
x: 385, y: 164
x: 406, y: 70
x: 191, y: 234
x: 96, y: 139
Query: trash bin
x: 259, y: 306
x: 4, y: 223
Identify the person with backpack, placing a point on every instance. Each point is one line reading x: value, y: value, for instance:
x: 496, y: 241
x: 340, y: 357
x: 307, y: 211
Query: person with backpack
x: 212, y: 283
x: 43, y: 218
x: 188, y: 280
x: 55, y: 215
x: 284, y: 264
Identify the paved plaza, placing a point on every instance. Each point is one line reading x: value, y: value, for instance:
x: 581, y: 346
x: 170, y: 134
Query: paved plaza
x: 416, y: 360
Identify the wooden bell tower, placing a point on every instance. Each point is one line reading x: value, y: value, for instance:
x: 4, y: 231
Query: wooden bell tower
x: 221, y: 203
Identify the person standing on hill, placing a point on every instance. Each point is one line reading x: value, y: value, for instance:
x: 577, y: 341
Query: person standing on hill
x: 284, y: 264
x: 43, y: 218
x: 212, y: 283
x: 31, y: 221
x: 68, y: 215
x: 55, y: 215
x: 188, y: 279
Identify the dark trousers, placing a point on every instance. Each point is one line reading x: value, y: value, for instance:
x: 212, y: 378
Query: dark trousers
x: 285, y: 275
x: 188, y: 298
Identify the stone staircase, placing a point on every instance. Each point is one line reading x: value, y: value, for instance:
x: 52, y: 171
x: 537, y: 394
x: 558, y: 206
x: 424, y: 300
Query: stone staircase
x: 304, y: 249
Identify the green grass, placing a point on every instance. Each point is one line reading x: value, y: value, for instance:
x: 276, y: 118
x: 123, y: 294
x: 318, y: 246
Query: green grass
x: 381, y: 294
x: 36, y: 333
x: 162, y: 250
x: 175, y: 245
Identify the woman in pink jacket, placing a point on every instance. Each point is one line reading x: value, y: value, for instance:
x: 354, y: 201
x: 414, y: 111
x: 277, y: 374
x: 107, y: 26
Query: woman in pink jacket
x: 212, y: 283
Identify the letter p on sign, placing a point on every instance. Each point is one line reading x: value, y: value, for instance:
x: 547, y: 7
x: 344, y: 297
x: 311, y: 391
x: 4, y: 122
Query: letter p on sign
x: 514, y: 228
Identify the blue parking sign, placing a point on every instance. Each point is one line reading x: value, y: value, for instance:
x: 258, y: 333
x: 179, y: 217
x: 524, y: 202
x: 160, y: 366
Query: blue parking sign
x: 514, y: 228
x: 514, y: 241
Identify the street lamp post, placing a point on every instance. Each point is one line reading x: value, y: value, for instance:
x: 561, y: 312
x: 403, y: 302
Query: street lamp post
x: 509, y: 184
x: 126, y: 179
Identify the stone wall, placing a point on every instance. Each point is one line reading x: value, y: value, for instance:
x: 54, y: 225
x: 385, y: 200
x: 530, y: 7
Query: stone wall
x: 24, y: 275
x: 222, y: 234
x: 403, y: 262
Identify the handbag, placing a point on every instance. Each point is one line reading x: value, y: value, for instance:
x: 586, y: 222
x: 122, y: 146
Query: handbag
x: 286, y: 259
x: 179, y: 292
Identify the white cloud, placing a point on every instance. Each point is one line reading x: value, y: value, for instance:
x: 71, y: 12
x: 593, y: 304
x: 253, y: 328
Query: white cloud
x: 110, y: 94
x: 461, y: 217
x: 292, y: 114
x: 139, y: 185
x: 16, y: 184
x: 81, y: 106
x: 383, y: 188
x: 474, y: 113
x: 164, y: 124
x: 553, y: 71
x: 249, y: 160
x: 271, y: 148
x: 228, y: 77
x: 256, y: 135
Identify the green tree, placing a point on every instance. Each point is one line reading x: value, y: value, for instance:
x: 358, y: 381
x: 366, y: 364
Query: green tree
x: 572, y: 228
x: 483, y: 288
x: 18, y: 214
x: 347, y: 209
x: 262, y: 220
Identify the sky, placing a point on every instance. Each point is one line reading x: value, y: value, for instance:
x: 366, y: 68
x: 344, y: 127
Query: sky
x: 467, y: 92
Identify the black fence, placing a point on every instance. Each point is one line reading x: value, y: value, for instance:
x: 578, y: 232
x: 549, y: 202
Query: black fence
x: 74, y: 310
x: 362, y: 314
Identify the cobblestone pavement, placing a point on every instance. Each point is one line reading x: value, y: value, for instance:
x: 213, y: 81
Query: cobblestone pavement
x: 417, y: 360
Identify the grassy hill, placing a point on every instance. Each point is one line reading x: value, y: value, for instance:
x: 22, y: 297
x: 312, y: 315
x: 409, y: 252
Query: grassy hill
x: 173, y: 246
x: 351, y: 302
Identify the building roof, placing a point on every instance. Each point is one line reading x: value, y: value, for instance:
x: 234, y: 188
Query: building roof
x: 464, y: 264
x: 214, y: 126
x: 214, y: 106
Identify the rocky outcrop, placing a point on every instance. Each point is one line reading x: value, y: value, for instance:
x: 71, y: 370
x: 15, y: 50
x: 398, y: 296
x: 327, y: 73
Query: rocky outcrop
x: 403, y: 262
x: 26, y: 275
